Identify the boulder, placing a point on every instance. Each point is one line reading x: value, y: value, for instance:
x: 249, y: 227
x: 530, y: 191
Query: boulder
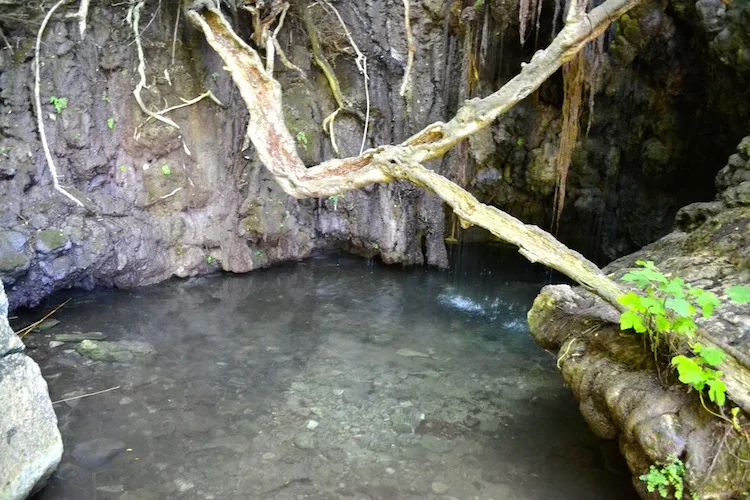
x: 31, y: 446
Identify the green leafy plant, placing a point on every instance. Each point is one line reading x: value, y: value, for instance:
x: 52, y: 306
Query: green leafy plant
x: 698, y: 372
x: 335, y: 200
x: 166, y: 170
x: 667, y: 478
x: 60, y: 103
x: 105, y: 97
x: 209, y: 259
x: 669, y: 309
x: 302, y: 139
x: 111, y: 123
x: 739, y: 294
x: 214, y: 76
x: 123, y: 168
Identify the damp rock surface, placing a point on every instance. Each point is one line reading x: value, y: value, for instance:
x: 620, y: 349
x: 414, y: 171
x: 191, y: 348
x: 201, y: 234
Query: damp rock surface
x: 292, y: 383
x: 30, y: 444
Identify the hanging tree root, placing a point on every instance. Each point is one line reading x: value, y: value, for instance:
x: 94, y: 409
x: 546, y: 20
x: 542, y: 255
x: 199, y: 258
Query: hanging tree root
x: 39, y: 112
x: 82, y: 14
x: 343, y: 104
x: 406, y: 83
x: 276, y: 149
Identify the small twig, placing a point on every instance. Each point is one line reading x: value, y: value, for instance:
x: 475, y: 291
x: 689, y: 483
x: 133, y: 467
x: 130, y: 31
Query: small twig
x: 25, y: 331
x: 82, y: 14
x: 176, y: 26
x: 406, y: 83
x: 85, y: 395
x: 7, y: 43
x: 171, y: 194
x: 38, y: 105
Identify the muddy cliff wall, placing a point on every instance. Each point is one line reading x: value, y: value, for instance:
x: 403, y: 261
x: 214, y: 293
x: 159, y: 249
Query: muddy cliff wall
x: 155, y: 211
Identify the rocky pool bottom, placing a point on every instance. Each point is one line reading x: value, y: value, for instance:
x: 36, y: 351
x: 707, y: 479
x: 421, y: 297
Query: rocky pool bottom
x: 328, y: 379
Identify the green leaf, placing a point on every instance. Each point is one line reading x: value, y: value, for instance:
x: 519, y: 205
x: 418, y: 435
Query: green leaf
x: 674, y: 286
x: 681, y: 307
x: 690, y: 372
x: 707, y: 301
x: 663, y: 324
x: 717, y: 391
x: 684, y: 326
x: 632, y: 301
x: 653, y: 306
x: 739, y: 294
x: 629, y: 319
x: 165, y: 169
x: 713, y: 356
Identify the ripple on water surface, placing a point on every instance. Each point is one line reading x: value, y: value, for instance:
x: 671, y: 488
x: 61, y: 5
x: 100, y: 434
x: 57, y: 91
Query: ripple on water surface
x: 329, y: 379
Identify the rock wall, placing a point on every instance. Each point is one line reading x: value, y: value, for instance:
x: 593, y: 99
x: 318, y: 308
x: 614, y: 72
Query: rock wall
x: 31, y: 446
x: 670, y: 102
x: 616, y: 381
x: 153, y: 209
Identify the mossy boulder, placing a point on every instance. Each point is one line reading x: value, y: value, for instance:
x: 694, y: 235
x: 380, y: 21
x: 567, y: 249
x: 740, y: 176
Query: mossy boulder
x: 50, y: 240
x: 122, y: 351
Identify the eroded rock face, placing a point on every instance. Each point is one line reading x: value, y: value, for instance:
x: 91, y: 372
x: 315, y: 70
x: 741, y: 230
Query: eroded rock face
x: 153, y: 209
x: 616, y: 381
x: 31, y: 446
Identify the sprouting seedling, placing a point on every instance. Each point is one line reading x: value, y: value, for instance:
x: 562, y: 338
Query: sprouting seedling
x: 302, y: 139
x: 60, y: 103
x: 335, y: 200
x: 166, y: 170
x: 111, y: 123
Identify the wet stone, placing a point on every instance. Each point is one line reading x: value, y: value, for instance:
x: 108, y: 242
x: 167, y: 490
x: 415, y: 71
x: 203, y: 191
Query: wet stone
x: 305, y: 441
x: 79, y: 336
x: 123, y: 351
x: 97, y: 453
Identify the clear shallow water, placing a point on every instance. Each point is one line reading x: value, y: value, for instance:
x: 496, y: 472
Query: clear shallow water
x: 423, y: 384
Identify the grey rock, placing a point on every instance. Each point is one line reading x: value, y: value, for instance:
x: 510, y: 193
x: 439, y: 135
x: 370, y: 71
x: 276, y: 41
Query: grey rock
x: 305, y: 441
x: 122, y: 351
x: 97, y: 453
x: 411, y: 353
x: 47, y: 325
x: 439, y: 488
x: 31, y: 446
x: 79, y: 336
x: 9, y: 341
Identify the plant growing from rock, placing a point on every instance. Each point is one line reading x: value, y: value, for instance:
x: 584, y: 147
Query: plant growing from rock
x: 667, y: 478
x: 60, y: 103
x: 667, y: 312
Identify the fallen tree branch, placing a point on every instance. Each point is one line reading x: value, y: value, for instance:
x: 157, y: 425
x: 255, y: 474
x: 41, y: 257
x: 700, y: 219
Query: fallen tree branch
x: 38, y: 106
x: 276, y: 149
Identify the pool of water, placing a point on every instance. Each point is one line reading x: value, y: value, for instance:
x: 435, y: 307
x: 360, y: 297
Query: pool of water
x: 327, y: 379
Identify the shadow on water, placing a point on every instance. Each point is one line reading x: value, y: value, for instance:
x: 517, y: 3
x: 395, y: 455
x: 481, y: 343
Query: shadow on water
x: 326, y: 379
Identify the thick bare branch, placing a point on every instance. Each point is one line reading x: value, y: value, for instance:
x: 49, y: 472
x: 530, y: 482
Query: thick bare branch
x: 277, y: 151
